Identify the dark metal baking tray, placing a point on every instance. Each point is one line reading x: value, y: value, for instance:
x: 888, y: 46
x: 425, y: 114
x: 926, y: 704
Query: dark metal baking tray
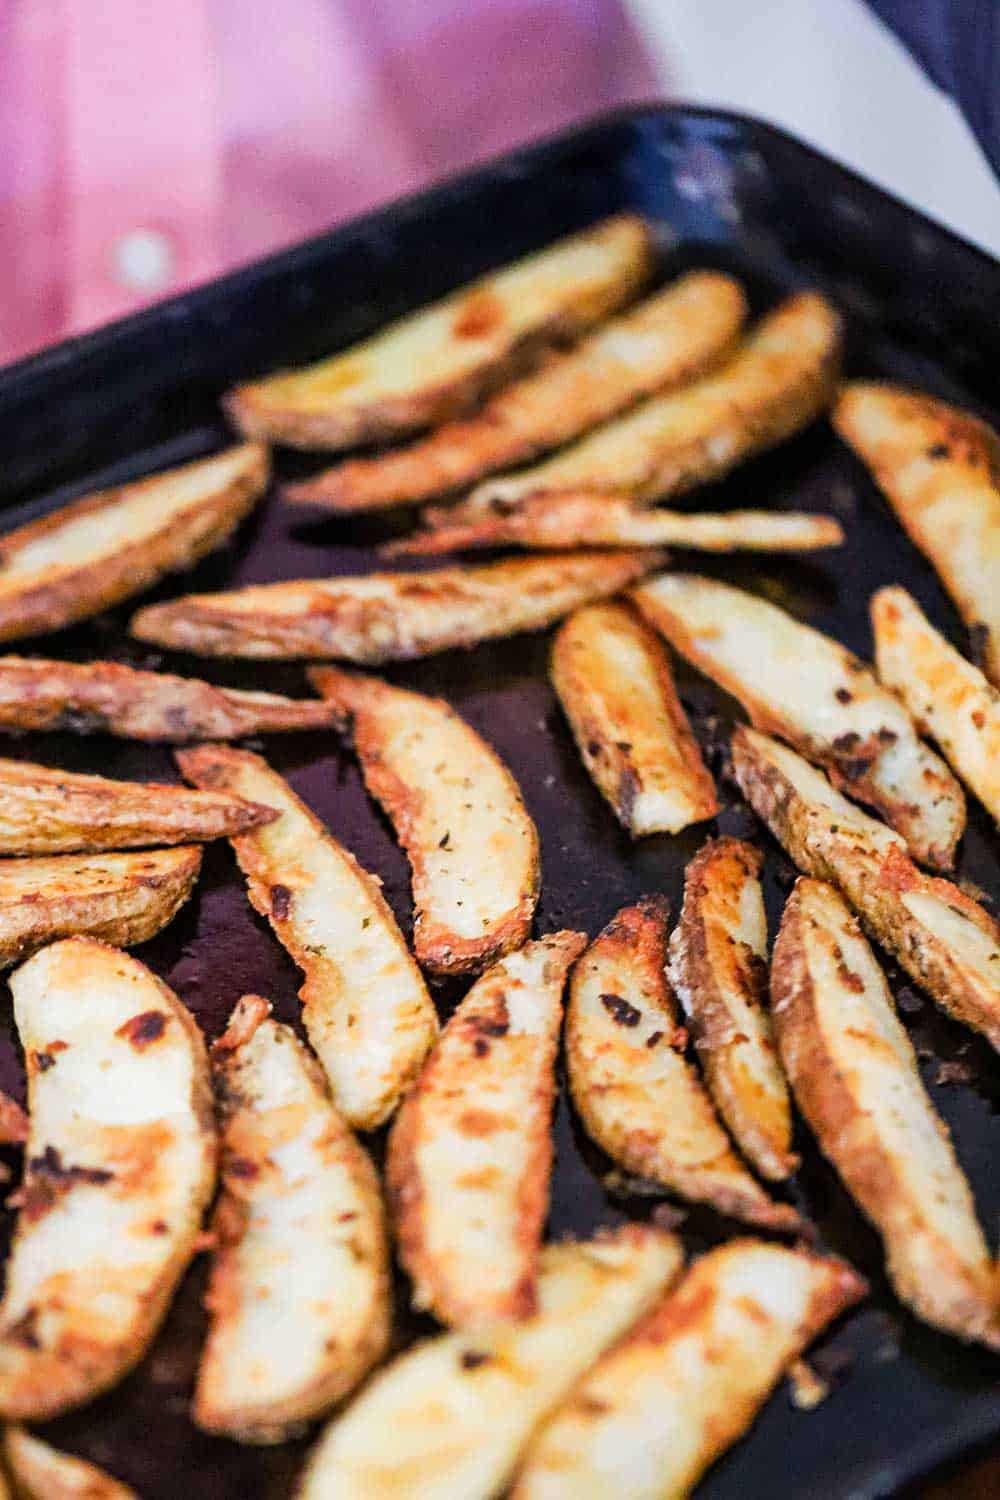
x: 921, y: 306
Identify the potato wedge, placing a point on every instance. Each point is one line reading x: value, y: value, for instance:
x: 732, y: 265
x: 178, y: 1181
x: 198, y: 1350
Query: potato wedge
x: 718, y: 969
x: 679, y: 1389
x: 365, y: 1006
x: 116, y: 1178
x: 637, y: 1095
x: 106, y: 697
x: 449, y: 1418
x: 41, y: 1472
x: 667, y: 340
x: 780, y: 378
x: 613, y: 679
x: 443, y: 358
x: 799, y: 684
x: 939, y: 935
x: 855, y: 1077
x: 470, y: 1153
x: 122, y: 899
x: 110, y: 545
x: 949, y: 698
x: 390, y: 616
x: 43, y: 811
x: 939, y: 467
x: 297, y: 1191
x: 458, y: 813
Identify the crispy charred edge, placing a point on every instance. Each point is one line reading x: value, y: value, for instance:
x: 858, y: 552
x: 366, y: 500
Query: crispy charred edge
x: 437, y: 947
x: 690, y: 967
x: 573, y: 688
x: 833, y: 1116
x: 49, y: 606
x: 41, y: 1472
x: 404, y: 1182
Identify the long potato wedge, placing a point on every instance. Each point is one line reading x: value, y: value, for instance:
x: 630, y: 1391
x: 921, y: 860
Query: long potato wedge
x: 365, y: 1006
x: 37, y: 694
x: 639, y: 1098
x: 939, y: 467
x: 939, y: 935
x: 799, y: 684
x: 949, y: 698
x: 121, y: 899
x: 470, y: 1154
x: 613, y: 679
x: 113, y: 544
x: 440, y: 360
x: 667, y: 340
x: 450, y: 1417
x: 780, y: 378
x: 855, y: 1077
x: 299, y: 1298
x: 718, y: 969
x: 120, y: 1164
x: 390, y: 616
x: 41, y: 1472
x: 679, y: 1389
x: 458, y: 813
x: 62, y: 812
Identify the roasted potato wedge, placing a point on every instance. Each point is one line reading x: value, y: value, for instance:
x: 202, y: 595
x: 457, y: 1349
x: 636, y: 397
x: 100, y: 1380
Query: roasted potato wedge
x: 679, y: 1389
x: 939, y: 935
x: 116, y: 1177
x: 390, y: 616
x: 365, y: 1006
x: 450, y: 1417
x: 104, y: 696
x: 458, y: 813
x: 855, y: 1077
x: 669, y: 339
x: 297, y: 1191
x: 61, y: 812
x: 780, y: 378
x: 939, y: 467
x: 718, y: 969
x: 440, y: 360
x: 613, y: 679
x: 799, y: 684
x: 41, y: 1472
x: 637, y: 1095
x: 122, y: 899
x: 467, y: 1170
x: 115, y: 543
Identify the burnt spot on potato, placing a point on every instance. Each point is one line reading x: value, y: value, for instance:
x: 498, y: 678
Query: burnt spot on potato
x: 143, y: 1030
x: 281, y: 902
x: 620, y: 1011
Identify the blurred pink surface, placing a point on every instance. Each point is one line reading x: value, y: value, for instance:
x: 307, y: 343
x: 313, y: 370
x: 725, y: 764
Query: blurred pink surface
x: 228, y: 128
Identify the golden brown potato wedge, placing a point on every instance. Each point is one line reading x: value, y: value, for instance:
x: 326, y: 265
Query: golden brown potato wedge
x: 450, y: 1417
x: 679, y: 1389
x: 613, y: 679
x: 639, y: 1098
x: 938, y: 466
x: 112, y: 544
x: 299, y: 1299
x: 122, y: 899
x: 667, y: 340
x: 440, y: 360
x: 949, y: 698
x: 780, y: 378
x: 718, y: 968
x: 365, y: 1006
x: 61, y: 812
x: 117, y: 1174
x: 390, y: 616
x: 799, y: 684
x: 467, y: 1171
x: 458, y: 813
x: 855, y: 1077
x: 41, y: 1472
x: 104, y: 696
x: 939, y: 935
x: 14, y: 1126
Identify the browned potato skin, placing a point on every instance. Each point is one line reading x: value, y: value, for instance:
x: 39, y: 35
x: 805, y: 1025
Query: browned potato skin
x: 43, y: 1473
